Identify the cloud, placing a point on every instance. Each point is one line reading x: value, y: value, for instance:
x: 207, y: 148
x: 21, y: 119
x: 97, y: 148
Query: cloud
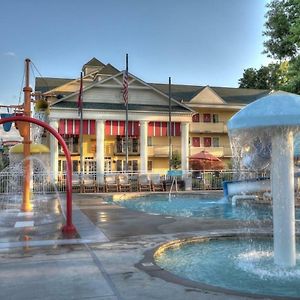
x: 10, y: 53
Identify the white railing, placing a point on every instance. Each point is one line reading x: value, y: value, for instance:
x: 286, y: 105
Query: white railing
x: 43, y: 183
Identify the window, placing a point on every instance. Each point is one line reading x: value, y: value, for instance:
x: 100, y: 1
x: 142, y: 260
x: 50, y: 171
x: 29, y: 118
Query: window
x: 150, y: 165
x: 206, y: 118
x: 207, y: 142
x: 132, y: 165
x: 119, y: 165
x: 196, y: 142
x: 215, y: 118
x: 216, y: 142
x: 149, y: 141
x: 62, y: 166
x: 89, y: 166
x: 107, y: 164
x: 75, y: 166
x: 72, y: 143
x: 135, y: 165
x: 196, y: 118
x: 133, y: 145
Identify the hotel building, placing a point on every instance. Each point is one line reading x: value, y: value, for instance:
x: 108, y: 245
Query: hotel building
x: 198, y: 120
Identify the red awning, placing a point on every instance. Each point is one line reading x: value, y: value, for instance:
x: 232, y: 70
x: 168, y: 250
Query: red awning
x: 72, y: 127
x: 118, y: 128
x: 114, y: 128
x: 161, y: 129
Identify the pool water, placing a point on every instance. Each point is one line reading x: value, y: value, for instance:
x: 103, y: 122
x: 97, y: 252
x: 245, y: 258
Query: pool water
x: 249, y: 266
x: 200, y: 206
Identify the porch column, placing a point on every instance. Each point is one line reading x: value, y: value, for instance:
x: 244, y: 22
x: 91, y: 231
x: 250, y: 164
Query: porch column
x: 184, y: 147
x: 100, y: 134
x: 144, y: 146
x: 54, y: 151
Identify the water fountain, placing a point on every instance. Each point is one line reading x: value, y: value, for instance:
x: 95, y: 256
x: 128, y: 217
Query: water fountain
x: 266, y: 128
x: 24, y: 123
x: 262, y: 136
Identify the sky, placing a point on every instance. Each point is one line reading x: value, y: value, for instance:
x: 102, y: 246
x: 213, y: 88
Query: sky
x: 200, y: 42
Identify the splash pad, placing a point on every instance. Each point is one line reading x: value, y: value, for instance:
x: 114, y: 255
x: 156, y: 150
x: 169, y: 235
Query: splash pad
x: 68, y: 228
x: 262, y: 138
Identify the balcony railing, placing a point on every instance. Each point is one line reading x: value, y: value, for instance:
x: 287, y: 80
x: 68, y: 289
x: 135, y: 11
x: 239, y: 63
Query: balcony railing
x: 161, y: 151
x: 208, y: 127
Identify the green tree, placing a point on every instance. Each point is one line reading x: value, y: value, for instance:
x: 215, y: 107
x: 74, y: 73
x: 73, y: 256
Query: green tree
x: 266, y: 77
x: 175, y: 160
x: 282, y: 29
x: 292, y: 84
x: 249, y: 78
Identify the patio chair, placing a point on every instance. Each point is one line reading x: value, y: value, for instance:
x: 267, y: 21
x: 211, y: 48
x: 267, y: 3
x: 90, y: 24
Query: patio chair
x: 124, y: 185
x: 76, y: 184
x: 89, y: 184
x: 144, y: 183
x: 111, y: 184
x: 157, y: 185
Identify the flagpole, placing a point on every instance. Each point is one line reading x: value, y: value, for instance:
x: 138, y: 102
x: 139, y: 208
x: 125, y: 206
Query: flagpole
x: 170, y: 127
x: 80, y: 105
x: 126, y: 121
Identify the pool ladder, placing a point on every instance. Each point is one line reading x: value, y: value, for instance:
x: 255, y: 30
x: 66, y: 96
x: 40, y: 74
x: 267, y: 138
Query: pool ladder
x: 173, y: 181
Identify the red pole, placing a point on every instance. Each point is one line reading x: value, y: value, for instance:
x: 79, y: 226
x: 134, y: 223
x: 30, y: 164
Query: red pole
x: 68, y: 228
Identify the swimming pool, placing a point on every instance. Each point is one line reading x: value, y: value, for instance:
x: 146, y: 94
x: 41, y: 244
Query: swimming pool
x: 249, y: 265
x: 201, y: 206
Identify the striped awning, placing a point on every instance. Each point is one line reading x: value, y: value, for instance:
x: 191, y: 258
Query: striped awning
x: 114, y: 128
x: 118, y: 128
x: 72, y: 127
x: 162, y: 128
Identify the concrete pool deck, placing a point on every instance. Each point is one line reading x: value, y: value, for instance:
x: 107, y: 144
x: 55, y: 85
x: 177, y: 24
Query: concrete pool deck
x: 106, y: 264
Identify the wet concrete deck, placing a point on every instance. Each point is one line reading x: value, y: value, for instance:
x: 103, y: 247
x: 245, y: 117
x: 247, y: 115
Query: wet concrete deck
x: 102, y: 262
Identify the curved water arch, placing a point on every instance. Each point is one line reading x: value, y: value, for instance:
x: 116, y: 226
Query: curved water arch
x: 68, y: 228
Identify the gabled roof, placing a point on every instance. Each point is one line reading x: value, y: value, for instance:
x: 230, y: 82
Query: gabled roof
x: 230, y: 95
x: 240, y: 95
x: 179, y: 91
x: 45, y: 84
x: 207, y: 96
x: 68, y: 101
x: 94, y: 62
x: 108, y: 70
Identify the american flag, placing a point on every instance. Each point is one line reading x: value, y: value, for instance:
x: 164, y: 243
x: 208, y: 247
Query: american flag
x: 125, y: 87
x: 79, y: 101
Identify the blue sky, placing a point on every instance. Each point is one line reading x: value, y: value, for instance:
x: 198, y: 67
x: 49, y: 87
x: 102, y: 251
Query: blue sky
x: 194, y: 41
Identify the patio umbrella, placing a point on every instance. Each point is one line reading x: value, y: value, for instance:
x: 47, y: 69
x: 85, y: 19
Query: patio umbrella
x: 205, y: 161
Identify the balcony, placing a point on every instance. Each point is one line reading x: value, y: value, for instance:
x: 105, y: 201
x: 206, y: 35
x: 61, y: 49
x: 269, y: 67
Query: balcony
x: 208, y: 127
x: 227, y: 152
x: 161, y: 151
x: 133, y: 148
x: 216, y: 151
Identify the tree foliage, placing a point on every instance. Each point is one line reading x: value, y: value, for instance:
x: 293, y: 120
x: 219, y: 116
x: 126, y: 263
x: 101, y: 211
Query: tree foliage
x: 175, y: 160
x: 282, y: 29
x: 292, y: 84
x: 270, y: 77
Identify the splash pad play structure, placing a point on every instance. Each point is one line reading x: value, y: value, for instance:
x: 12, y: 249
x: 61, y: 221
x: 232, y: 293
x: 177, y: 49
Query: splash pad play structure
x: 262, y: 138
x: 68, y: 228
x: 23, y: 122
